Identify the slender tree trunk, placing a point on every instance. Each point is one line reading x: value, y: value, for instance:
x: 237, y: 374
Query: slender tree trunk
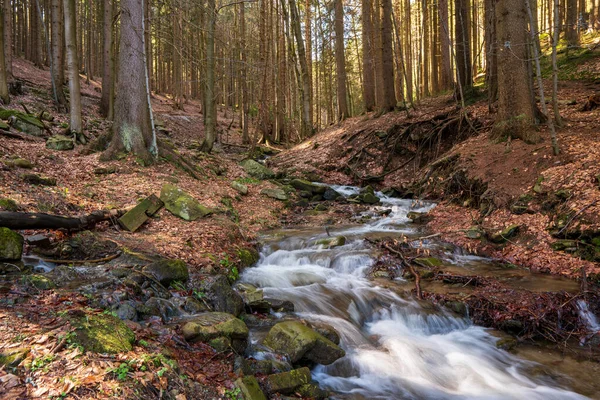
x: 387, y: 57
x: 556, y: 35
x: 133, y: 129
x: 4, y: 97
x: 340, y: 61
x: 57, y: 51
x: 107, y: 81
x: 8, y: 38
x: 463, y: 44
x: 309, y: 62
x: 571, y: 24
x: 491, y: 54
x: 76, y: 125
x: 368, y: 55
x: 377, y: 55
x: 425, y: 72
x: 243, y: 73
x: 306, y: 130
x: 408, y: 51
x: 210, y: 109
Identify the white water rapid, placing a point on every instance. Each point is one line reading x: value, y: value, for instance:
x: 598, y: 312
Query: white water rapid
x: 396, y: 348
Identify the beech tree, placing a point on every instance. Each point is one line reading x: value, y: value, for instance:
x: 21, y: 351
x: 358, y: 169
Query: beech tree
x: 76, y: 125
x: 133, y: 128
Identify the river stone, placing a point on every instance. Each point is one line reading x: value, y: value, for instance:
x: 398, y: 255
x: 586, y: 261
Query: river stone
x: 248, y: 256
x: 299, y: 341
x: 161, y: 308
x: 60, y: 142
x: 277, y: 194
x: 417, y: 217
x: 126, y: 311
x: 103, y: 333
x: 286, y: 382
x: 239, y: 187
x: 474, y: 232
x: 11, y: 245
x: 505, y: 234
x: 331, y: 242
x: 168, y: 271
x: 306, y: 186
x: 369, y: 198
x: 221, y: 296
x: 331, y: 194
x: 257, y: 170
x: 208, y: 326
x: 249, y: 388
x: 40, y: 282
x: 181, y: 204
x: 312, y: 391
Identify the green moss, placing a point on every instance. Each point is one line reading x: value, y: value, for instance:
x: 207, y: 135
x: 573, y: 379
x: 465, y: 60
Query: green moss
x: 248, y: 256
x: 9, y: 204
x: 103, y: 333
x: 12, y: 357
x: 40, y: 282
x: 6, y: 114
x: 11, y: 245
x: 429, y: 262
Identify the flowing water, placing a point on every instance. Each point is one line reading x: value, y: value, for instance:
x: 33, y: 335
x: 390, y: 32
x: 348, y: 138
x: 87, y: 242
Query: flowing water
x: 396, y: 347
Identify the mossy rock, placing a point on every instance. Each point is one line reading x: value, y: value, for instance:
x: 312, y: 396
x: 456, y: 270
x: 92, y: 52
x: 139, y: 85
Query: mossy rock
x: 474, y: 232
x: 458, y: 307
x: 505, y: 234
x: 257, y: 170
x: 19, y: 163
x: 5, y: 114
x: 277, y: 194
x: 506, y: 343
x: 298, y: 341
x: 11, y: 358
x: 564, y: 245
x: 306, y: 186
x: 212, y: 325
x: 312, y: 391
x: 9, y: 204
x: 428, y: 262
x: 287, y: 382
x: 249, y: 388
x: 331, y: 242
x: 181, y: 204
x: 103, y: 333
x: 39, y: 282
x: 417, y: 217
x: 220, y: 344
x: 11, y: 245
x: 369, y: 198
x: 240, y: 187
x: 35, y: 179
x: 168, y: 271
x: 60, y: 143
x: 4, y: 126
x: 221, y: 296
x: 248, y: 256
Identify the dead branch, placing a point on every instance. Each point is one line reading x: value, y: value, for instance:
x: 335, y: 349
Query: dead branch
x: 19, y: 220
x: 411, y: 268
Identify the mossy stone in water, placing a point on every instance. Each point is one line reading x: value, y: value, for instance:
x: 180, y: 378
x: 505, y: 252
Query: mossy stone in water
x: 103, y: 333
x: 332, y: 242
x: 248, y: 256
x: 209, y: 326
x: 11, y: 245
x: 250, y: 389
x: 286, y: 382
x: 181, y: 204
x: 306, y: 186
x: 40, y: 282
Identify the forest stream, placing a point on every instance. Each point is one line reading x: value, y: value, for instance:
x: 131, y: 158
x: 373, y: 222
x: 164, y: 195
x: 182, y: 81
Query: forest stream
x: 398, y: 347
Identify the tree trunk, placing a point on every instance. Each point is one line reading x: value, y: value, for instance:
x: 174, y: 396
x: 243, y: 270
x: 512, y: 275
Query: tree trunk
x: 18, y: 220
x: 8, y: 38
x: 243, y: 73
x: 555, y: 37
x: 3, y: 78
x: 340, y: 61
x: 133, y: 129
x: 58, y: 64
x: 444, y: 31
x: 387, y: 57
x: 491, y: 54
x: 306, y: 129
x: 571, y: 24
x: 463, y: 45
x: 76, y: 125
x: 107, y: 77
x: 210, y: 107
x: 515, y: 111
x: 368, y: 54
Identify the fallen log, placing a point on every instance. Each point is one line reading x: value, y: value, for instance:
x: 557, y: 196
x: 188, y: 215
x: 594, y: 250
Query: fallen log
x: 20, y: 220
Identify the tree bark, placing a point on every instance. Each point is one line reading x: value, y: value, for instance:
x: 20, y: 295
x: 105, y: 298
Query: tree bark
x: 58, y: 69
x: 107, y: 68
x: 8, y: 38
x: 3, y: 78
x: 515, y: 111
x: 17, y: 220
x: 133, y: 129
x: 444, y: 32
x: 210, y: 110
x: 340, y: 61
x: 76, y: 125
x: 491, y: 55
x: 306, y: 130
x: 387, y: 57
x: 463, y: 44
x: 368, y: 54
x: 571, y: 24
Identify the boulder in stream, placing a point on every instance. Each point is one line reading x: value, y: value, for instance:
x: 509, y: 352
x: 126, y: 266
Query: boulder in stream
x: 209, y: 326
x: 331, y: 242
x: 306, y: 186
x: 298, y: 341
x: 168, y: 271
x: 221, y: 296
x: 11, y: 245
x: 249, y: 388
x: 287, y: 382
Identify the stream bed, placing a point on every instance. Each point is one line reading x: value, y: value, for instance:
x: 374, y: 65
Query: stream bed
x: 398, y: 347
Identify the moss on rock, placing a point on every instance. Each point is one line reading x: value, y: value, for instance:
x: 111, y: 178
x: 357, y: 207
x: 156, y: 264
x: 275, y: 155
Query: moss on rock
x: 168, y: 271
x: 103, y: 333
x: 11, y: 245
x: 248, y: 256
x: 181, y: 204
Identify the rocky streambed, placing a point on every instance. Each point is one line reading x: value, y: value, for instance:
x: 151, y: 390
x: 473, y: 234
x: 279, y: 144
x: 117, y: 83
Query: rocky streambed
x: 316, y: 316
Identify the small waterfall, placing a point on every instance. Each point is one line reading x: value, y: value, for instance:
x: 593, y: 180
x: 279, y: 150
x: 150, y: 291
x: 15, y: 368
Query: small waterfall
x: 396, y: 348
x: 587, y: 316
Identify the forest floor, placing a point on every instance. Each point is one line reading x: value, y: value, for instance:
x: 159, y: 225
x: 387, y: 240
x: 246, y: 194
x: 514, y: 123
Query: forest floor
x: 478, y: 187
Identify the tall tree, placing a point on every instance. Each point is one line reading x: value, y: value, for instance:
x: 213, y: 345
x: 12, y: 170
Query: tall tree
x: 7, y: 19
x: 368, y: 56
x: 340, y: 61
x: 571, y: 23
x: 76, y: 125
x: 444, y: 33
x: 3, y: 81
x: 133, y: 129
x: 387, y: 57
x: 210, y: 106
x: 491, y: 57
x: 463, y: 44
x: 107, y: 58
x: 306, y: 124
x: 515, y: 111
x: 57, y: 56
